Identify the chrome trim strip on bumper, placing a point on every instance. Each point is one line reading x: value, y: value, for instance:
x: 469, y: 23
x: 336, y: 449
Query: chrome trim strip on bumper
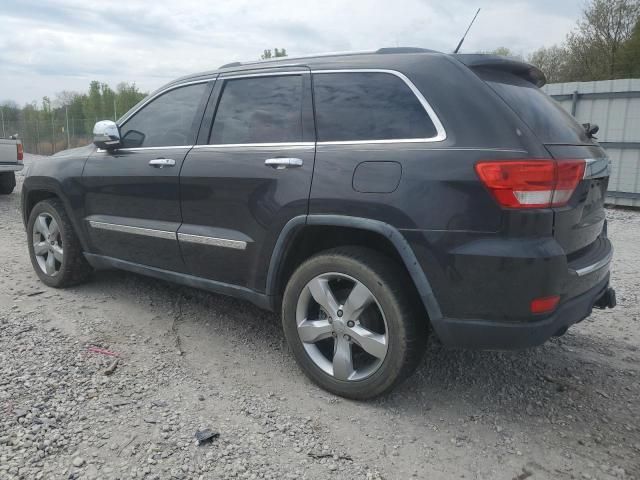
x: 11, y: 168
x: 216, y: 242
x: 149, y: 232
x: 603, y: 262
x: 597, y: 168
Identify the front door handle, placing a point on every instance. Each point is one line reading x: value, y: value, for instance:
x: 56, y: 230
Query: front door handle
x: 282, y: 163
x: 162, y: 162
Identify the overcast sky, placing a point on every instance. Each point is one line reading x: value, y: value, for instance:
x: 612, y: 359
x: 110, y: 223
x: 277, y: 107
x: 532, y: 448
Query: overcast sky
x: 51, y: 45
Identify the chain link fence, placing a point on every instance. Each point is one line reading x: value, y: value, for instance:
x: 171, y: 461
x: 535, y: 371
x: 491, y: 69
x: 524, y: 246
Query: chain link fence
x: 51, y: 134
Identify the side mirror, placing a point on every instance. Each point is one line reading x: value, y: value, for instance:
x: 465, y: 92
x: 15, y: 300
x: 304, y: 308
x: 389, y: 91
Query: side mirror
x: 106, y: 135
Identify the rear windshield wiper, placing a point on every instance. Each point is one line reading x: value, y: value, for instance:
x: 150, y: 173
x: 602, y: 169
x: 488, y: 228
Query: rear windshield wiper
x: 591, y: 129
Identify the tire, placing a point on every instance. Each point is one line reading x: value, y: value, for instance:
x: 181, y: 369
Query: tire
x: 73, y: 267
x: 7, y: 183
x: 394, y: 313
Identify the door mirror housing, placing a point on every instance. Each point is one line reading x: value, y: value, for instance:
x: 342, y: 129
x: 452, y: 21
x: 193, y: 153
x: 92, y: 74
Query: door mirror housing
x: 106, y: 135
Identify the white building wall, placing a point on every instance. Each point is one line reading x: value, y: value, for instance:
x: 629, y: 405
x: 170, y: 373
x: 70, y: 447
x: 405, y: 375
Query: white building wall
x: 615, y: 106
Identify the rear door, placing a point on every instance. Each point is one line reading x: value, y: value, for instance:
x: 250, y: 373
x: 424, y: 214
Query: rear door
x: 578, y: 224
x: 249, y: 175
x: 131, y: 195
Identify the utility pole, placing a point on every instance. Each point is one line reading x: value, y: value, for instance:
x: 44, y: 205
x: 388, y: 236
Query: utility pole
x: 53, y: 134
x: 37, y: 136
x: 66, y: 114
x: 4, y: 134
x: 115, y: 116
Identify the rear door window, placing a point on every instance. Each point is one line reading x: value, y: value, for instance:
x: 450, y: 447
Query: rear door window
x: 368, y: 106
x: 259, y: 110
x: 544, y: 116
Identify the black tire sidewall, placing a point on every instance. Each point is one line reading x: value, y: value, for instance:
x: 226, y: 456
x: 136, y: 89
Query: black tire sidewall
x: 65, y: 231
x: 393, y: 304
x: 7, y: 183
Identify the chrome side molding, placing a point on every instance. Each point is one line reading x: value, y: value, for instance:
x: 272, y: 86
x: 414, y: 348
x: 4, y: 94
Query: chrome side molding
x: 167, y: 235
x: 216, y: 242
x: 149, y: 232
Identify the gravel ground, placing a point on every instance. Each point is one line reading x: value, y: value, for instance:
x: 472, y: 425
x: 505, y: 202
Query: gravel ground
x: 189, y: 360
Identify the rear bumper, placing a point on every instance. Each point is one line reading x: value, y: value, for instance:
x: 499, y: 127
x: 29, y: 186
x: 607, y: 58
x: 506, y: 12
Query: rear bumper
x: 502, y: 335
x: 11, y: 167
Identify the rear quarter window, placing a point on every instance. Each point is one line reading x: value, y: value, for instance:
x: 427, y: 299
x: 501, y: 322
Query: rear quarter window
x: 543, y: 115
x: 368, y: 106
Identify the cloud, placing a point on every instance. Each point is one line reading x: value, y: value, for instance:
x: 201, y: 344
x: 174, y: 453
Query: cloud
x: 63, y: 44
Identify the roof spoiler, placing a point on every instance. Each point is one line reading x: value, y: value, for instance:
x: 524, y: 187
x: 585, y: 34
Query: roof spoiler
x: 517, y: 67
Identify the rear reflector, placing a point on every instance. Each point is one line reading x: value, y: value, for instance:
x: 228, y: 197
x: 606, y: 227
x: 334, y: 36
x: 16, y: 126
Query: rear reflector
x: 531, y: 183
x: 544, y: 304
x: 20, y: 151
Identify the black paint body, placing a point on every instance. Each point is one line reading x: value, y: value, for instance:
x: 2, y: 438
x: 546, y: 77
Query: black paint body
x: 476, y: 266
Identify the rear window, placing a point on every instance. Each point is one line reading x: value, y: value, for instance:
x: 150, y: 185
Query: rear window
x: 546, y: 118
x: 368, y: 106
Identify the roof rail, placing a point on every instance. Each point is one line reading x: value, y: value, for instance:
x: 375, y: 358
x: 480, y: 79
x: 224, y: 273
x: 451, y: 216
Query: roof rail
x: 333, y: 54
x: 386, y: 50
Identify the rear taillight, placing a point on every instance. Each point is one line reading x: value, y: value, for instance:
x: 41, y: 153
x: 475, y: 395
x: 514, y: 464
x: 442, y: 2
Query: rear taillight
x: 20, y: 151
x: 531, y: 183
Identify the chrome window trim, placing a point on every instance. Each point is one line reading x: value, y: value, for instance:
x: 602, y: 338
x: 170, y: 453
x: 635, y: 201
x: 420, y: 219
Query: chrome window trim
x: 441, y: 133
x: 135, y: 149
x: 234, y: 76
x: 149, y: 232
x: 259, y: 145
x: 162, y: 92
x: 213, y: 241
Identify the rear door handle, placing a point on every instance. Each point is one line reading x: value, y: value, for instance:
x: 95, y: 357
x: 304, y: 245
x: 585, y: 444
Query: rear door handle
x: 162, y: 162
x: 282, y: 163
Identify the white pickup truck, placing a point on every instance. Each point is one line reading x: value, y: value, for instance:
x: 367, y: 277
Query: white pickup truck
x: 10, y: 162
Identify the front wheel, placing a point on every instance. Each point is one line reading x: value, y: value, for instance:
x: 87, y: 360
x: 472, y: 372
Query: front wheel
x: 352, y: 324
x: 56, y: 254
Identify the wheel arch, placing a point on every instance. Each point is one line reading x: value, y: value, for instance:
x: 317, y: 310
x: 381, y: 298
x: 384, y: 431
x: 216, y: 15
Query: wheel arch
x: 302, y: 237
x: 37, y: 192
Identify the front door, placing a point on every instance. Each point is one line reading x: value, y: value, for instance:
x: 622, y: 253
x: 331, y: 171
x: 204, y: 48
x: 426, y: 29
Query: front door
x: 132, y: 194
x: 249, y: 176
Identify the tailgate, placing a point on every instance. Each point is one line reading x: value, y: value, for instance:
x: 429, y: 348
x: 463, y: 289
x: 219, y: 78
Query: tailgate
x: 8, y: 152
x: 579, y: 224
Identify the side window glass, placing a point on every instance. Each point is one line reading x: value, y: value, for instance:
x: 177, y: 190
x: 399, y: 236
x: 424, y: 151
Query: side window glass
x: 368, y: 106
x: 259, y: 110
x: 166, y: 121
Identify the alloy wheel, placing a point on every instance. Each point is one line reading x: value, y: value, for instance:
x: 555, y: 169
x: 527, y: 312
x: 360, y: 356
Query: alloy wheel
x: 342, y: 326
x: 47, y: 244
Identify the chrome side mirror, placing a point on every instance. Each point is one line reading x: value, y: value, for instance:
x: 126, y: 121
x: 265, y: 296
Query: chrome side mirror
x: 106, y: 135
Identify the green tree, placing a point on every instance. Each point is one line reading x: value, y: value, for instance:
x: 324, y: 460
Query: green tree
x: 604, y: 45
x: 629, y: 59
x: 552, y: 61
x: 277, y: 53
x: 127, y: 95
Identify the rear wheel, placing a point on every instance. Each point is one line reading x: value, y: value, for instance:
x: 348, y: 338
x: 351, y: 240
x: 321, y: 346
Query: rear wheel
x: 7, y: 183
x: 54, y: 248
x: 353, y: 326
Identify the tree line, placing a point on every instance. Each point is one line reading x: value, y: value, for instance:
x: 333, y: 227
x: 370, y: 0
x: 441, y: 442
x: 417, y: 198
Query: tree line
x: 68, y: 119
x: 604, y: 45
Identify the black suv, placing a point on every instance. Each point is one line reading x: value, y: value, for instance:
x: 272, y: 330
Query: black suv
x: 372, y: 197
